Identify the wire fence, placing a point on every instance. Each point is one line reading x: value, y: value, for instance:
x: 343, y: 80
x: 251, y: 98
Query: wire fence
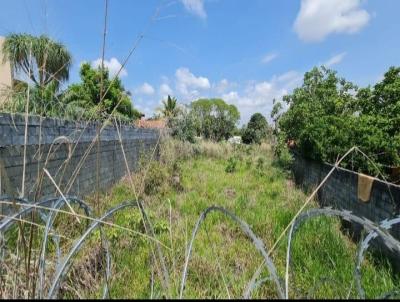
x: 53, y: 270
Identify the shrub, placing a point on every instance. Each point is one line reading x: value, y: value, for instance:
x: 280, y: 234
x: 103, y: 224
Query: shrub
x: 155, y: 179
x: 231, y: 166
x: 176, y: 177
x: 249, y: 162
x: 172, y: 150
x: 285, y: 159
x: 260, y: 163
x: 215, y: 150
x: 183, y: 126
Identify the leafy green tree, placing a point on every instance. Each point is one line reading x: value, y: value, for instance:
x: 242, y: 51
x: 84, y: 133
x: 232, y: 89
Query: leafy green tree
x: 98, y: 93
x: 183, y: 125
x: 383, y: 98
x: 170, y: 107
x: 328, y: 115
x: 40, y: 59
x: 276, y: 113
x: 322, y: 94
x: 216, y: 120
x: 257, y: 129
x: 40, y: 64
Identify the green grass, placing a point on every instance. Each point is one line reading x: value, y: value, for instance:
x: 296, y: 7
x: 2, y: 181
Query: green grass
x: 258, y: 192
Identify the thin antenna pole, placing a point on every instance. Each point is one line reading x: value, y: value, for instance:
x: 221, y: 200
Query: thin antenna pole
x: 26, y: 125
x: 100, y: 98
x: 104, y: 47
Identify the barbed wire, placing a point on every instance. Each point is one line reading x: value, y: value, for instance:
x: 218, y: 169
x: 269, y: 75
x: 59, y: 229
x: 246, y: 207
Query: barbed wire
x: 63, y: 264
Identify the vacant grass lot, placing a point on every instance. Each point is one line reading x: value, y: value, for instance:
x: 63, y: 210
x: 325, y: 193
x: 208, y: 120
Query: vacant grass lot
x: 251, y: 185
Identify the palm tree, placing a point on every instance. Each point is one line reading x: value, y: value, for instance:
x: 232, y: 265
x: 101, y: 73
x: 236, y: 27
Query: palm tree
x: 39, y: 59
x: 170, y: 107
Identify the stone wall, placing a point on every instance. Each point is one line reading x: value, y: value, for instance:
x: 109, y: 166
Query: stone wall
x: 63, y: 144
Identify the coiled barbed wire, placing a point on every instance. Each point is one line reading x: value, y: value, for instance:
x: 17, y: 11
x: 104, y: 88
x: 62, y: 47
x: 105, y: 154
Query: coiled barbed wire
x: 63, y: 265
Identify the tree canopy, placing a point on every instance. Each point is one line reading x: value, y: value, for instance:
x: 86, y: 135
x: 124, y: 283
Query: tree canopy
x: 216, y: 120
x: 257, y: 129
x: 42, y: 65
x: 40, y: 59
x: 170, y: 107
x: 100, y: 93
x: 328, y: 115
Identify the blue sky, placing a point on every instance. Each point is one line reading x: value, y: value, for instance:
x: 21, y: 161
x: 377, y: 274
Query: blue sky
x: 245, y: 51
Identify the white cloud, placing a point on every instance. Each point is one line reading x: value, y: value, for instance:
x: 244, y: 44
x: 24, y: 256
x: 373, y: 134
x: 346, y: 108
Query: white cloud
x: 290, y: 79
x: 319, y: 18
x: 269, y: 57
x: 165, y: 90
x: 287, y: 76
x: 259, y: 96
x: 222, y: 86
x: 250, y: 97
x: 112, y: 65
x: 188, y: 85
x: 195, y: 7
x: 335, y: 59
x: 145, y: 89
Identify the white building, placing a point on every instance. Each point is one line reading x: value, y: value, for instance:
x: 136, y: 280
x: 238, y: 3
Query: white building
x: 235, y: 140
x: 5, y: 69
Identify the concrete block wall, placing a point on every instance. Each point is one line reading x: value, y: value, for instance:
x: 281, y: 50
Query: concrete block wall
x: 72, y: 139
x: 341, y: 191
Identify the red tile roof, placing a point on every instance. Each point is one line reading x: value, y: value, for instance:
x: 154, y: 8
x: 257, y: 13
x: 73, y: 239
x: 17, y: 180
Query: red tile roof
x: 159, y: 124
